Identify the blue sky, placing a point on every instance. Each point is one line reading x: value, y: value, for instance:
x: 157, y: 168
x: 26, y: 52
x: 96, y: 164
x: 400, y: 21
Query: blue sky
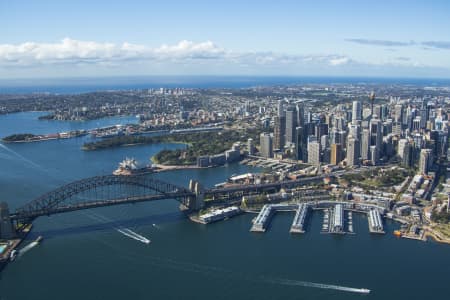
x: 338, y: 38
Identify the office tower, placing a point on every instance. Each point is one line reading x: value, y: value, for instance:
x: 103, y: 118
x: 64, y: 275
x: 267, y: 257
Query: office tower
x: 313, y: 151
x: 300, y: 115
x: 401, y: 147
x: 356, y: 112
x: 279, y: 132
x: 373, y: 155
x: 265, y: 142
x: 352, y: 146
x: 384, y: 112
x: 397, y: 128
x: 336, y: 154
x: 321, y: 129
x: 425, y: 161
x: 354, y: 130
x: 324, y: 141
x: 416, y: 123
x: 365, y: 144
x: 250, y: 147
x: 300, y: 143
x: 291, y: 124
x: 408, y: 155
x: 398, y: 113
x: 372, y: 100
x: 280, y: 108
x: 376, y: 135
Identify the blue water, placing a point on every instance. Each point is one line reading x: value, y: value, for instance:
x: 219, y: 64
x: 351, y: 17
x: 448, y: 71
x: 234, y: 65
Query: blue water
x: 83, y: 85
x: 27, y: 122
x: 84, y: 256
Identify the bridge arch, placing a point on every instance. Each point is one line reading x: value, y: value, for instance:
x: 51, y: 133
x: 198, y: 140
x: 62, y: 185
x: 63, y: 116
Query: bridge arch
x: 56, y: 201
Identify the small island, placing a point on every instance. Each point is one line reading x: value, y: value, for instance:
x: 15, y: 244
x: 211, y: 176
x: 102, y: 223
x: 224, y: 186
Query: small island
x: 21, y: 137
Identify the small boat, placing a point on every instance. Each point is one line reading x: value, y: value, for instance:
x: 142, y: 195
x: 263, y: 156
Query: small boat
x: 13, y: 255
x: 39, y: 239
x: 397, y: 233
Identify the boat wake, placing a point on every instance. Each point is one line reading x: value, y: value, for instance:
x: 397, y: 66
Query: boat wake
x: 27, y: 248
x: 22, y: 157
x: 319, y: 285
x: 125, y: 231
x: 131, y: 234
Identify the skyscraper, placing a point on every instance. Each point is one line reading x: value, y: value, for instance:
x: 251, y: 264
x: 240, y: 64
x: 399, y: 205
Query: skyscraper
x: 278, y: 132
x: 300, y: 143
x: 265, y: 142
x: 376, y: 135
x: 365, y: 144
x: 336, y: 154
x: 356, y: 112
x: 291, y: 124
x: 313, y: 151
x: 352, y: 146
x: 425, y: 161
x: 300, y: 115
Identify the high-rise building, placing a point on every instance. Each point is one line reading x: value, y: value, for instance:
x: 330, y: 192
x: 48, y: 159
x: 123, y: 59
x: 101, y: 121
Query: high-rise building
x: 313, y: 151
x: 291, y: 124
x: 301, y: 143
x: 250, y: 147
x: 336, y: 154
x: 401, y: 147
x: 265, y: 142
x: 352, y: 146
x: 398, y: 113
x: 324, y: 141
x: 408, y: 155
x: 300, y: 115
x: 321, y: 129
x: 373, y: 155
x: 425, y: 160
x: 376, y: 135
x: 356, y: 112
x: 280, y: 108
x: 279, y: 132
x: 365, y: 144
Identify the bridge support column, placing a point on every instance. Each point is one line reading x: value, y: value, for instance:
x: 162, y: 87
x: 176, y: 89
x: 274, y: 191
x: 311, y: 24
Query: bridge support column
x: 6, y: 227
x: 197, y: 202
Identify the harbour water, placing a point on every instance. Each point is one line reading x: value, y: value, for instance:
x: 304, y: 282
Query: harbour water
x: 87, y: 255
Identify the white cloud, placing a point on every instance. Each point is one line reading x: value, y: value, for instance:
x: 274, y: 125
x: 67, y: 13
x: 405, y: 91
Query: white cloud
x: 70, y: 56
x: 339, y: 61
x: 69, y: 51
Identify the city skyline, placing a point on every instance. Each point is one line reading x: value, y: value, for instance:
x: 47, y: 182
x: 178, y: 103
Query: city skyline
x: 288, y: 38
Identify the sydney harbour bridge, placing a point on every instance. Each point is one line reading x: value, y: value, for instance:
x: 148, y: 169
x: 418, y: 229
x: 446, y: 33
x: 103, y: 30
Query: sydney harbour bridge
x: 100, y: 191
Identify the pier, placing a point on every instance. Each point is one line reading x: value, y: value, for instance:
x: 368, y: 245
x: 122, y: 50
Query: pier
x: 261, y: 222
x: 375, y: 222
x: 299, y: 220
x: 337, y: 219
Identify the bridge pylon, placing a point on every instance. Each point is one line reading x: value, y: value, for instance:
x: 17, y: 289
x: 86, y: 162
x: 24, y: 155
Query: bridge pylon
x: 6, y: 226
x: 196, y: 202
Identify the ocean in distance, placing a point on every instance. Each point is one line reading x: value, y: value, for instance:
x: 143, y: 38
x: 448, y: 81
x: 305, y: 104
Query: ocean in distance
x: 84, y: 85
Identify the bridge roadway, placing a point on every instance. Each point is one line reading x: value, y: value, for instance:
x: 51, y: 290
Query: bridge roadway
x: 57, y: 201
x: 87, y: 205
